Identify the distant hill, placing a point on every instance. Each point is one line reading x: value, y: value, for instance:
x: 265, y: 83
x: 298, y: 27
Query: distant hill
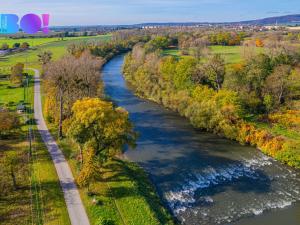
x: 282, y: 20
x: 289, y: 19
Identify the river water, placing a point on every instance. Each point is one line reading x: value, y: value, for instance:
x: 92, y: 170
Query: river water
x: 202, y: 178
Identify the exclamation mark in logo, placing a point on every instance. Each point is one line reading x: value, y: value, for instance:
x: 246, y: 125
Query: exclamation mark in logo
x: 45, y: 18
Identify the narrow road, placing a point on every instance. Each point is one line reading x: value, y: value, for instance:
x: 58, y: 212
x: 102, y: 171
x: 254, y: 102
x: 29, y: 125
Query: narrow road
x: 74, y: 204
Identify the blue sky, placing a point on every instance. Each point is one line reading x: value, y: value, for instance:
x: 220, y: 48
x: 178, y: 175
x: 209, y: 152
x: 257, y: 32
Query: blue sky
x: 92, y: 12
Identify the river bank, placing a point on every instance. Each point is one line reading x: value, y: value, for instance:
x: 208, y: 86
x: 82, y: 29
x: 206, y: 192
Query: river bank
x: 203, y: 178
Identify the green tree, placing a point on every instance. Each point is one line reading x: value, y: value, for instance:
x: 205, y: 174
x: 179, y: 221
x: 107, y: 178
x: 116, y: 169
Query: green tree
x: 168, y: 67
x: 17, y: 72
x: 277, y: 84
x: 215, y: 71
x: 16, y: 45
x: 185, y: 69
x: 157, y: 43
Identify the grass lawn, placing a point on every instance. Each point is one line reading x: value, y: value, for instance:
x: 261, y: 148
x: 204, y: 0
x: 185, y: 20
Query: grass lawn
x: 38, y: 198
x: 58, y: 48
x: 231, y: 54
x: 35, y: 42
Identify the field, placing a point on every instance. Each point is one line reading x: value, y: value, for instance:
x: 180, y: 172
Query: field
x: 36, y: 42
x: 231, y: 54
x: 38, y: 198
x: 58, y: 48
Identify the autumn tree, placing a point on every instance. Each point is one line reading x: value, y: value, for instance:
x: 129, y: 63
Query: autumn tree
x: 215, y: 71
x: 71, y: 78
x: 17, y: 72
x: 25, y: 45
x: 8, y: 122
x: 4, y: 46
x: 259, y: 43
x: 45, y: 57
x: 99, y: 123
x: 90, y: 168
x: 277, y: 84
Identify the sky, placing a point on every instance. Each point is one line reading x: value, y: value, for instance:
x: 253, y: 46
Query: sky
x: 109, y: 12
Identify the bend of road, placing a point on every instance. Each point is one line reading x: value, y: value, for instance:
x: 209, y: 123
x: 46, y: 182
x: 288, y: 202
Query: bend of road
x: 73, y: 201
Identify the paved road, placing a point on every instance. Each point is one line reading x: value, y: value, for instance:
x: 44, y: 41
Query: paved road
x: 74, y: 204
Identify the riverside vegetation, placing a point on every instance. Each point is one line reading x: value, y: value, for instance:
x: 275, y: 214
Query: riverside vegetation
x: 255, y: 101
x: 92, y: 132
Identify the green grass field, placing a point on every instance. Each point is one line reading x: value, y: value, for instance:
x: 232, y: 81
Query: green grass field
x: 38, y: 199
x: 58, y: 48
x: 35, y: 42
x: 231, y: 54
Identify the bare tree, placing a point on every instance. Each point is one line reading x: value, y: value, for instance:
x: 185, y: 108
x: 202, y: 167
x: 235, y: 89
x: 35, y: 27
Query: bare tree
x: 70, y: 79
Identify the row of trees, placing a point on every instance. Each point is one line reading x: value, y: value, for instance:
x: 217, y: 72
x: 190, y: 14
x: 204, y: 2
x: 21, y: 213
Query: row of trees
x: 226, y: 38
x: 24, y: 45
x: 68, y: 80
x: 76, y: 103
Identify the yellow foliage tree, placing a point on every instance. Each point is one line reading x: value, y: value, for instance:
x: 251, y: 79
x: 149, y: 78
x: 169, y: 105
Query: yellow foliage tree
x: 100, y: 123
x: 259, y: 43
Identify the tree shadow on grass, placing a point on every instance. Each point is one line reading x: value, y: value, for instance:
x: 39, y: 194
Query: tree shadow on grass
x: 127, y: 171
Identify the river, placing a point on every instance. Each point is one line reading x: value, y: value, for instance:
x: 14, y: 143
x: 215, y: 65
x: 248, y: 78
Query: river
x: 203, y: 178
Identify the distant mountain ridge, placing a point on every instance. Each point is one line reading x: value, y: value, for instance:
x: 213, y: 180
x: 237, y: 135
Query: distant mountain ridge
x: 288, y: 19
x: 282, y: 20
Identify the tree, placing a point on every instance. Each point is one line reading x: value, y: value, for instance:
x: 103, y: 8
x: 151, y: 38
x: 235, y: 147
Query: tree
x: 69, y: 79
x: 4, y: 46
x: 25, y: 45
x: 16, y: 45
x: 17, y: 72
x: 106, y: 128
x: 277, y: 84
x: 157, y: 43
x: 259, y: 43
x: 90, y: 168
x: 185, y: 69
x: 45, y: 57
x: 168, y: 67
x: 215, y: 71
x: 8, y: 122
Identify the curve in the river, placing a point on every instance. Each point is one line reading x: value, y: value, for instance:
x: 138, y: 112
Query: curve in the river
x: 205, y: 179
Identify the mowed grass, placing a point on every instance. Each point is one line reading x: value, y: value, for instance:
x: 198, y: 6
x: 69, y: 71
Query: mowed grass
x: 38, y: 199
x: 231, y: 54
x: 58, y: 48
x: 10, y: 96
x: 35, y: 42
x: 123, y: 192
